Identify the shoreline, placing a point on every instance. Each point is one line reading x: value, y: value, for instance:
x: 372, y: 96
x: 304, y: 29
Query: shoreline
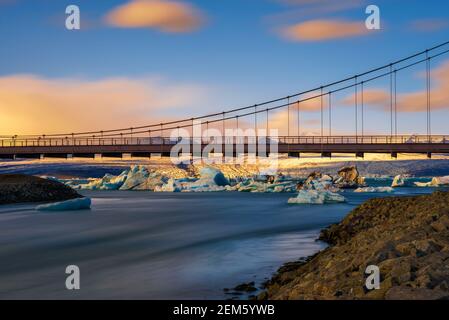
x: 406, y: 237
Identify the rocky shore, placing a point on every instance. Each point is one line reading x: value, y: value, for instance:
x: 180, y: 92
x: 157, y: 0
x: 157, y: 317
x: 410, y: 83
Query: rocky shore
x: 406, y: 237
x: 18, y: 188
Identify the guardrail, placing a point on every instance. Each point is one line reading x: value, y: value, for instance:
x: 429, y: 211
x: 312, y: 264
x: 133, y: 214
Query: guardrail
x: 94, y: 141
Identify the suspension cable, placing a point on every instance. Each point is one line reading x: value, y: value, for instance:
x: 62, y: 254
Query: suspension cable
x: 115, y: 132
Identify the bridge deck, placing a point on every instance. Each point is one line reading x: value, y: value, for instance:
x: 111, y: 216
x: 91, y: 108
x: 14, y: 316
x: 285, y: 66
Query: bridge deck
x: 294, y: 145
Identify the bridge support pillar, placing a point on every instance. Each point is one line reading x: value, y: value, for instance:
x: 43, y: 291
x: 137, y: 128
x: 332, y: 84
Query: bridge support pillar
x: 360, y: 155
x: 57, y: 155
x: 326, y: 154
x: 84, y: 155
x: 394, y: 155
x: 140, y: 155
x: 112, y: 155
x: 429, y: 155
x: 8, y: 156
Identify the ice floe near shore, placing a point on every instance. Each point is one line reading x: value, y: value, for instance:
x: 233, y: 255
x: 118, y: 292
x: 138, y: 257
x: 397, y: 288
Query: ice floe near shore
x: 398, y: 181
x: 216, y: 178
x: 374, y: 189
x: 74, y: 204
x: 435, y: 182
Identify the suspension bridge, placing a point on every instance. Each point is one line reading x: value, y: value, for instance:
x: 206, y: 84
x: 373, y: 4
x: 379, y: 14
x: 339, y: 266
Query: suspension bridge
x: 148, y: 140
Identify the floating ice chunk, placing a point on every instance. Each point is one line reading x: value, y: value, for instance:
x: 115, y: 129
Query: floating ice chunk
x: 170, y: 186
x: 316, y: 197
x: 108, y: 182
x: 440, y: 181
x: 398, y: 181
x: 74, y: 204
x: 423, y: 184
x: 211, y: 180
x: 374, y: 189
x: 137, y: 176
x: 211, y: 174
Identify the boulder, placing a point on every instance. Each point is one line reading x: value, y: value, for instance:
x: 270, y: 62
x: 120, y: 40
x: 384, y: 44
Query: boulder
x: 18, y: 188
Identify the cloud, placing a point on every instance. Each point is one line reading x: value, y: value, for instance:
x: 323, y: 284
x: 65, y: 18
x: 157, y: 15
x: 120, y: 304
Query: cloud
x: 319, y: 30
x: 312, y: 9
x: 164, y: 15
x: 279, y: 120
x: 374, y: 97
x: 324, y: 6
x: 429, y: 25
x: 412, y: 101
x: 35, y: 105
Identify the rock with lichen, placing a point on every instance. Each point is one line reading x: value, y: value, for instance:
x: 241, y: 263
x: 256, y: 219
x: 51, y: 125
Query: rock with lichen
x: 406, y: 237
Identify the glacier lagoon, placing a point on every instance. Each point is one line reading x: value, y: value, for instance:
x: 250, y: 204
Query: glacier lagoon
x: 137, y: 244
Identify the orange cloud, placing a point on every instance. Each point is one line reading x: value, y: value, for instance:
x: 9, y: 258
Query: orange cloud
x: 318, y: 30
x: 414, y: 101
x: 278, y: 120
x: 167, y: 16
x: 374, y: 97
x: 34, y: 105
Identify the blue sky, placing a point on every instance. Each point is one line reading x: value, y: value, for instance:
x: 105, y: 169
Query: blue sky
x: 236, y: 57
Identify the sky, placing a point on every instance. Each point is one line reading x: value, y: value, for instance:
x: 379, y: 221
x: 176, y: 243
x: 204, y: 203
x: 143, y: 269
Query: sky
x: 139, y: 62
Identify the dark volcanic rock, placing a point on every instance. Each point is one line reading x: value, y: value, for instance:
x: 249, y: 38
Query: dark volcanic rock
x: 406, y: 237
x: 349, y: 178
x: 17, y: 188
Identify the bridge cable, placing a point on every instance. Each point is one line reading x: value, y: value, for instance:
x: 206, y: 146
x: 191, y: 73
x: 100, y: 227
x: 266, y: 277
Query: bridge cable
x: 428, y: 97
x: 271, y: 101
x: 356, y: 109
x: 255, y: 121
x: 267, y: 123
x: 276, y: 107
x: 330, y: 113
x: 391, y: 101
x: 223, y: 127
x: 395, y: 105
x: 322, y: 121
x: 362, y: 102
x: 298, y: 119
x: 288, y: 116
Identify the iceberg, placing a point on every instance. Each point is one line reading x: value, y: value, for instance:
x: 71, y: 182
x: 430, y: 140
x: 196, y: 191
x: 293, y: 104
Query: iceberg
x: 210, y: 174
x: 316, y: 197
x: 74, y: 204
x: 211, y: 180
x: 108, y: 182
x: 170, y: 186
x: 374, y: 189
x: 135, y: 178
x: 398, y: 181
x: 435, y: 182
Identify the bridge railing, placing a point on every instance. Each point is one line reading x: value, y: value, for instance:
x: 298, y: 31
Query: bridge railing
x: 91, y: 141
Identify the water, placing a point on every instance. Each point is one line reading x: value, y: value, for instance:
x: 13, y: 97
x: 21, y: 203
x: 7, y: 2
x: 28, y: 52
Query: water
x: 160, y: 246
